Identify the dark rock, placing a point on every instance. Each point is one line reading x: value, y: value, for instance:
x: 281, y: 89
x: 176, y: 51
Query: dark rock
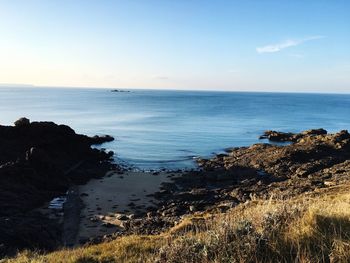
x: 278, y: 136
x: 37, y: 156
x: 122, y: 217
x: 108, y: 225
x: 101, y: 139
x: 342, y: 135
x: 314, y: 132
x: 22, y: 122
x: 94, y: 219
x: 39, y: 161
x: 30, y: 232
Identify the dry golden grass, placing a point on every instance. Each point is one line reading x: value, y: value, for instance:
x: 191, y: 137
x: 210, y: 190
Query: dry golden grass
x: 125, y: 249
x: 309, y: 228
x: 314, y: 227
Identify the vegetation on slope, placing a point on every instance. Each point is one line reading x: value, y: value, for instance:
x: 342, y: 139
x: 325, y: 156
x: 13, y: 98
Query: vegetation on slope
x: 313, y: 227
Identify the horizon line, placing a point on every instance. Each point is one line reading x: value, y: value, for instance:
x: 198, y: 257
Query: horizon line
x: 165, y: 89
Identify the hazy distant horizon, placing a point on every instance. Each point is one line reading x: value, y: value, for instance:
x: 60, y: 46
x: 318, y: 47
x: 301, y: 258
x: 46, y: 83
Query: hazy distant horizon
x: 20, y: 86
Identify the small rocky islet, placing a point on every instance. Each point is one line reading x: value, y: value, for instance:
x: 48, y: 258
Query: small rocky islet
x: 41, y: 160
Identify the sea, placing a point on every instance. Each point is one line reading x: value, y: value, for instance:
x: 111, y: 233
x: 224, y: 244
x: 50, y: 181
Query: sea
x: 156, y: 129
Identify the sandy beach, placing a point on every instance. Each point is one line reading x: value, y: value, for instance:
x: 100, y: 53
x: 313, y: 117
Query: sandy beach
x: 108, y: 201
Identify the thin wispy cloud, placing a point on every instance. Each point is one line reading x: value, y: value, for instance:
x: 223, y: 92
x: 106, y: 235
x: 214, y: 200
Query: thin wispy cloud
x: 285, y: 44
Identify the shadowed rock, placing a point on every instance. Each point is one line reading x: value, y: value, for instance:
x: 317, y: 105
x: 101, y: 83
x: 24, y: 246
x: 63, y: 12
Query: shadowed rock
x: 38, y: 161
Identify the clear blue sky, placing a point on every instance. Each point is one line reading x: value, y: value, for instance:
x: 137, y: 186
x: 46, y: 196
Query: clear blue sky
x: 264, y: 45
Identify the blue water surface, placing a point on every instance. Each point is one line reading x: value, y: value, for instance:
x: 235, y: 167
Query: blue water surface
x: 167, y: 129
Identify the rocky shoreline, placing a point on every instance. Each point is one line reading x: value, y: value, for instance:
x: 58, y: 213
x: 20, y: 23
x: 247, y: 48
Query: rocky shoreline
x: 40, y: 161
x: 313, y: 160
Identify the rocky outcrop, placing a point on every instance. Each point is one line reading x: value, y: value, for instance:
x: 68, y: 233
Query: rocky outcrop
x: 276, y: 136
x: 101, y: 139
x: 312, y: 161
x: 310, y: 153
x: 38, y: 161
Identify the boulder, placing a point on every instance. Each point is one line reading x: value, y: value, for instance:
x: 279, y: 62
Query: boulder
x: 278, y: 136
x: 22, y: 122
x: 101, y: 139
x: 314, y: 132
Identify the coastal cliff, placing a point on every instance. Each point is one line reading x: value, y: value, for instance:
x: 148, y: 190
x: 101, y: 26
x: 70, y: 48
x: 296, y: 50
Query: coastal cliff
x: 40, y: 161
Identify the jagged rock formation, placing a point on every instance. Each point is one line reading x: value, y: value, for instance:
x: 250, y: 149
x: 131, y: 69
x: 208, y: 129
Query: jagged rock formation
x: 313, y: 160
x: 38, y: 161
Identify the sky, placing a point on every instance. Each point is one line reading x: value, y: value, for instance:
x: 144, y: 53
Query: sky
x: 247, y: 45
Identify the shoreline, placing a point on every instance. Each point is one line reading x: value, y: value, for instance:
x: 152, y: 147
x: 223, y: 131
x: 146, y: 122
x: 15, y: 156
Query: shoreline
x: 312, y: 160
x: 109, y: 201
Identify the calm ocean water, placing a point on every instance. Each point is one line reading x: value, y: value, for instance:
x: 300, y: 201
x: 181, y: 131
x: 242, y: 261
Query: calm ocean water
x: 156, y: 129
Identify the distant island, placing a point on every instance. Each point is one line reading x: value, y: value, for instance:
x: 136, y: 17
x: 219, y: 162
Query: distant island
x: 119, y: 90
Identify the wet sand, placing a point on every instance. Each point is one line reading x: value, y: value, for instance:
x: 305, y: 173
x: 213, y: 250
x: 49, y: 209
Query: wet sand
x: 110, y: 200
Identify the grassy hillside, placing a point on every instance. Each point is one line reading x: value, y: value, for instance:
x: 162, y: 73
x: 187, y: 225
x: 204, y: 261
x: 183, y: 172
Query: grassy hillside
x: 313, y: 227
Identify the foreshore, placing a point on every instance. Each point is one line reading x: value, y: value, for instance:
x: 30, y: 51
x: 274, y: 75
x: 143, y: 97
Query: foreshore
x: 42, y: 160
x: 313, y: 160
x: 109, y: 203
